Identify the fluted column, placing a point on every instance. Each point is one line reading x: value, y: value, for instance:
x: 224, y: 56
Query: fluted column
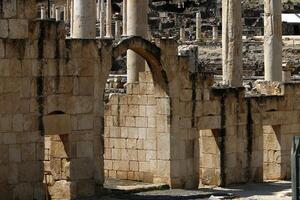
x: 84, y: 19
x: 273, y: 40
x: 232, y: 43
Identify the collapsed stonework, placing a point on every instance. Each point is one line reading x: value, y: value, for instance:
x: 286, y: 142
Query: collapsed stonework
x: 59, y: 139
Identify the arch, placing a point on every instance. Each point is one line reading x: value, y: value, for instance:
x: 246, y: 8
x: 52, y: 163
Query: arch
x: 150, y: 52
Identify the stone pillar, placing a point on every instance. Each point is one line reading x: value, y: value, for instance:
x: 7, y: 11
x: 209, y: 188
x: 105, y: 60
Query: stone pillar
x: 198, y: 26
x: 182, y: 34
x: 117, y: 30
x: 102, y: 19
x: 108, y: 19
x: 84, y: 19
x: 43, y: 13
x: 67, y: 12
x: 98, y: 10
x: 215, y: 33
x: 124, y: 18
x: 232, y: 43
x: 57, y: 14
x: 273, y: 40
x: 52, y: 16
x: 137, y: 24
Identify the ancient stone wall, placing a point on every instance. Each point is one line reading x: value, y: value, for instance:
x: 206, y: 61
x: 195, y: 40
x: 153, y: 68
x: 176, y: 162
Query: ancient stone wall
x: 130, y: 132
x: 51, y: 108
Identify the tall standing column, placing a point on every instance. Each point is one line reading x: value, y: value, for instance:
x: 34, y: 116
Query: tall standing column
x: 108, y: 19
x: 198, y: 26
x: 273, y: 40
x: 137, y: 25
x: 84, y: 19
x: 57, y: 13
x: 232, y: 43
x: 117, y: 30
x: 124, y: 18
x: 215, y: 33
x: 102, y: 19
x: 43, y: 13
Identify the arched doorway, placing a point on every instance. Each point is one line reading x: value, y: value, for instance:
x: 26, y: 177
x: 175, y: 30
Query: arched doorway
x: 135, y: 121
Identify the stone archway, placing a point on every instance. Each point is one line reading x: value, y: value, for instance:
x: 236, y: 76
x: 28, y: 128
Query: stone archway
x: 150, y: 52
x: 137, y: 142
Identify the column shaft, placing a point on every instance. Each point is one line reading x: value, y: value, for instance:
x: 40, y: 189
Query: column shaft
x: 108, y: 19
x: 124, y: 18
x: 84, y: 19
x: 137, y: 25
x: 273, y: 40
x: 198, y: 26
x: 232, y: 43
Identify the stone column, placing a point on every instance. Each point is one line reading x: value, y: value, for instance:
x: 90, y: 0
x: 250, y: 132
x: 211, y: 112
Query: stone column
x: 198, y: 26
x: 84, y: 19
x: 117, y: 30
x: 108, y: 19
x: 67, y: 12
x: 53, y: 11
x: 232, y: 43
x: 273, y: 40
x: 124, y: 18
x: 57, y: 14
x: 102, y: 19
x: 43, y: 13
x: 98, y: 10
x: 215, y: 33
x: 182, y: 34
x: 137, y: 24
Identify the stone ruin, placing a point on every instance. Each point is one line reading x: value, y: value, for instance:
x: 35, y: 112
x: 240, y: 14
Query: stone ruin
x: 59, y: 139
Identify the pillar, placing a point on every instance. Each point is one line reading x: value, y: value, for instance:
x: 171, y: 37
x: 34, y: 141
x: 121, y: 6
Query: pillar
x: 43, y: 13
x: 273, y: 40
x: 84, y: 19
x: 215, y: 33
x: 98, y: 10
x: 198, y: 26
x: 182, y: 34
x: 57, y: 14
x: 137, y: 24
x: 232, y: 43
x: 67, y: 11
x: 117, y: 30
x: 124, y: 33
x: 53, y: 11
x: 108, y: 19
x: 102, y: 19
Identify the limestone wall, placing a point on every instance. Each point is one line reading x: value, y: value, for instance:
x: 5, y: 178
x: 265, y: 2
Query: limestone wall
x: 130, y: 132
x: 51, y: 89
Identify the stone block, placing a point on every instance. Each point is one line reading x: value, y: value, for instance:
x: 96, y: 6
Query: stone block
x: 134, y: 166
x: 121, y: 165
x: 81, y: 169
x: 3, y: 28
x: 85, y: 149
x: 18, y: 28
x: 57, y: 124
x: 61, y: 190
x: 9, y: 8
x: 14, y: 153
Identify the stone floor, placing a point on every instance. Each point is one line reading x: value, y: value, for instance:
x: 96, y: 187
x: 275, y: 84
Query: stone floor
x: 263, y: 191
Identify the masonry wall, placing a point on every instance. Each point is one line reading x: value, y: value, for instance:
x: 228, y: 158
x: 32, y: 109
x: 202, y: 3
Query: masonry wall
x: 51, y: 96
x: 130, y: 132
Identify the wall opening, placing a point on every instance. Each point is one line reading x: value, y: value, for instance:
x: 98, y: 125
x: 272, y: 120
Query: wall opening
x: 272, y: 158
x: 131, y: 117
x: 210, y: 153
